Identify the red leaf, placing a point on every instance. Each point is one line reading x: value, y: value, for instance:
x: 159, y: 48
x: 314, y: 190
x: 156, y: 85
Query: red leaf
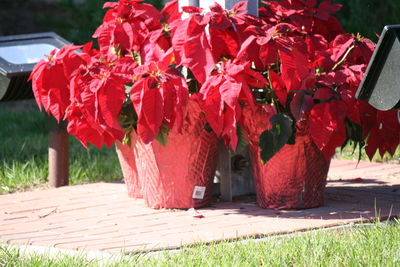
x: 80, y: 128
x: 315, y: 43
x: 368, y: 118
x: 240, y: 7
x: 148, y: 103
x: 110, y: 99
x: 223, y: 43
x: 268, y: 54
x: 222, y: 94
x: 188, y: 39
x: 231, y: 119
x: 195, y: 214
x: 323, y: 94
x: 249, y: 51
x: 212, y: 104
x: 192, y: 9
x: 385, y: 134
x: 327, y: 126
x: 82, y: 125
x: 87, y: 47
x: 171, y: 11
x: 55, y: 93
x: 217, y: 8
x: 329, y: 29
x: 124, y: 68
x: 71, y: 63
x: 294, y: 68
x: 300, y: 105
x: 278, y: 86
x: 372, y: 144
x: 340, y: 45
x: 103, y: 34
x: 126, y: 36
x: 325, y: 9
x: 230, y: 91
x: 200, y: 64
x: 159, y: 95
x: 110, y: 5
x: 36, y: 78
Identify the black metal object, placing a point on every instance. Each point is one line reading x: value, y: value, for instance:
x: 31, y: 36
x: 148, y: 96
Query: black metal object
x: 18, y: 56
x: 381, y: 83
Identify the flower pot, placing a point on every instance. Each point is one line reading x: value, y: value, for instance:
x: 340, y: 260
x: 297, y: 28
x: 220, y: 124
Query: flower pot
x: 178, y: 175
x: 295, y: 177
x: 126, y: 155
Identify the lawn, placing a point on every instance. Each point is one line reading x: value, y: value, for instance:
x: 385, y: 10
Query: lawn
x: 350, y: 153
x: 23, y: 154
x: 366, y: 245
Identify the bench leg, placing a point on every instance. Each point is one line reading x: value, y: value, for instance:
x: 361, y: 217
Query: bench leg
x: 58, y: 158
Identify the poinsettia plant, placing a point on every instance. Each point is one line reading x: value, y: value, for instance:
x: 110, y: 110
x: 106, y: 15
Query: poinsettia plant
x: 294, y: 58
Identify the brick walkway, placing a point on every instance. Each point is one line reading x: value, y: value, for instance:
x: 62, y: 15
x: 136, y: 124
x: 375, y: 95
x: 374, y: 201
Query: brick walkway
x: 101, y: 216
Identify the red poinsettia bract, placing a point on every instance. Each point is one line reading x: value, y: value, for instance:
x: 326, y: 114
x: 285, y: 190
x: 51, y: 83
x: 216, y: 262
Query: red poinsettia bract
x: 159, y: 95
x: 222, y: 94
x: 295, y: 53
x: 97, y: 95
x: 126, y: 25
x: 50, y: 80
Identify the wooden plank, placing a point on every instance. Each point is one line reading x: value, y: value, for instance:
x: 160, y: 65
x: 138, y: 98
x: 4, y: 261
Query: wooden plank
x: 225, y: 171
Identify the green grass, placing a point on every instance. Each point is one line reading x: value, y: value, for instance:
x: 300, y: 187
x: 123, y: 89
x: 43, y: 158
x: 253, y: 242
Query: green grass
x: 365, y: 245
x: 24, y: 156
x: 349, y: 153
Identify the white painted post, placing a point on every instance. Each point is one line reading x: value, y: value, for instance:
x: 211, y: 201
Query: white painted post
x: 188, y: 3
x: 252, y: 5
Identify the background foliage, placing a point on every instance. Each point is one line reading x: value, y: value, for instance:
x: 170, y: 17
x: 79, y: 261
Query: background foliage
x: 368, y: 17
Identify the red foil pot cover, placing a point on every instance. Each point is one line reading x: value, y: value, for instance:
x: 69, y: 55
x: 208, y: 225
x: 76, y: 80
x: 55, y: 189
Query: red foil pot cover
x: 295, y: 177
x: 127, y: 159
x: 178, y: 175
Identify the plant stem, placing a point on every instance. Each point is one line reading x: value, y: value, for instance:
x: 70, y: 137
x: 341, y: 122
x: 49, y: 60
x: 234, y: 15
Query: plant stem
x: 343, y: 58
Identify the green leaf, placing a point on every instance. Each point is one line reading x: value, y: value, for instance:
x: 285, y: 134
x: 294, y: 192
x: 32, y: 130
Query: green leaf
x: 136, y: 56
x: 271, y: 141
x: 208, y: 128
x: 162, y: 136
x: 127, y: 137
x: 127, y: 116
x: 354, y: 137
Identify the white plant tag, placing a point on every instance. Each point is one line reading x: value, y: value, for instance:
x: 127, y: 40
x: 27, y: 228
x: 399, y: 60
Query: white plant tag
x: 198, y: 192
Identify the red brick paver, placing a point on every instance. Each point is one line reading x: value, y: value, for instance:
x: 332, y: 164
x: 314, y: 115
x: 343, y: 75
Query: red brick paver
x: 102, y: 217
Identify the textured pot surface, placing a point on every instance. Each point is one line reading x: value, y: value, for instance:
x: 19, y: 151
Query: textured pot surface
x: 180, y: 174
x: 126, y: 156
x: 294, y: 178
